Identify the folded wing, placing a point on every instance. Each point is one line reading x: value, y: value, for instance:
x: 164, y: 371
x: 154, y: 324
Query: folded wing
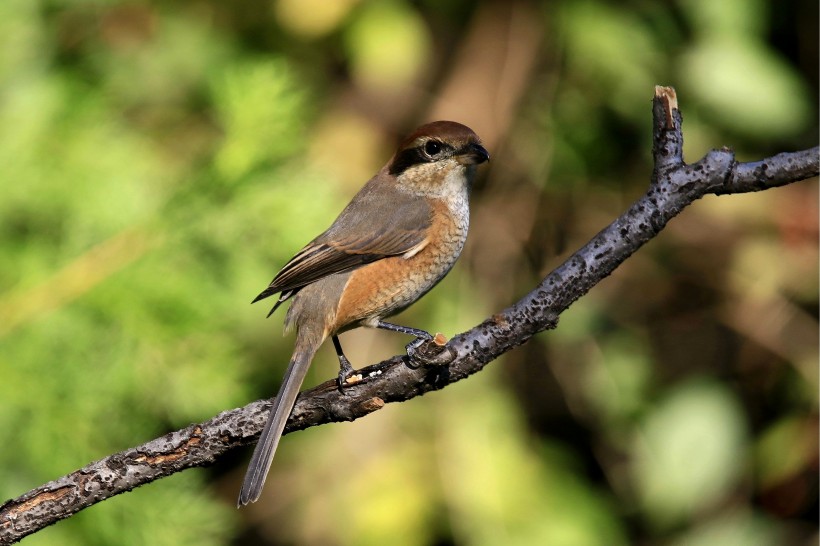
x: 360, y: 235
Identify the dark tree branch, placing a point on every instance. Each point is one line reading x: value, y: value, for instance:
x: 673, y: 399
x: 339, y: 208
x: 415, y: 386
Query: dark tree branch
x: 674, y: 186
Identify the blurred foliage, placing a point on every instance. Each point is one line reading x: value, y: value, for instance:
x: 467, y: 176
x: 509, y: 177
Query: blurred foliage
x: 160, y: 160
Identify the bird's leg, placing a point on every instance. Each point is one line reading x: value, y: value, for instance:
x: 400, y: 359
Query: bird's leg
x: 421, y: 335
x: 346, y: 371
x: 421, y: 338
x: 404, y: 330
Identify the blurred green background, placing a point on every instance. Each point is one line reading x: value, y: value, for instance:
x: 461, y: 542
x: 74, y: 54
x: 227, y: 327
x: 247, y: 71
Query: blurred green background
x: 161, y: 160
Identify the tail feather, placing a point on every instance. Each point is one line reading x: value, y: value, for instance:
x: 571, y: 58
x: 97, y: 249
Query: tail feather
x: 266, y: 447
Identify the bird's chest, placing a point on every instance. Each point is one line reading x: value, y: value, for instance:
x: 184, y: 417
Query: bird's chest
x: 447, y: 235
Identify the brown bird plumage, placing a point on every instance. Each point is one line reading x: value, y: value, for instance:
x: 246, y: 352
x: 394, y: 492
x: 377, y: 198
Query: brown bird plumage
x: 391, y: 244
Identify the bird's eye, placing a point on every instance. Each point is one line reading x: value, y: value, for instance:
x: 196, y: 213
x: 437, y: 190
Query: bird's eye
x: 432, y: 148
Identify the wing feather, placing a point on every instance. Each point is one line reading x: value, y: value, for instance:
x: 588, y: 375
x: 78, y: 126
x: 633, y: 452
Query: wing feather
x: 379, y: 222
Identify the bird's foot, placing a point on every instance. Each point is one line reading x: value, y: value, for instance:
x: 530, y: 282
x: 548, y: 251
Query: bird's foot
x: 431, y: 350
x: 348, y: 375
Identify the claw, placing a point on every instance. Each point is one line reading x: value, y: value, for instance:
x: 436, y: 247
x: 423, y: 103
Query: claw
x: 432, y: 351
x: 348, y: 376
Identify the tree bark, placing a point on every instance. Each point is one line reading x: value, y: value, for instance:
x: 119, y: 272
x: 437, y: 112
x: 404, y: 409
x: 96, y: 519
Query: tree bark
x: 674, y: 185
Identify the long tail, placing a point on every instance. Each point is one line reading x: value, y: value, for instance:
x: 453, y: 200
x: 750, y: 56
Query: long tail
x: 282, y: 406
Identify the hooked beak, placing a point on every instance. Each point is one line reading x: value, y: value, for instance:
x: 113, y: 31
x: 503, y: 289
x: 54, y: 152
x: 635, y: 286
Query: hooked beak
x: 473, y: 154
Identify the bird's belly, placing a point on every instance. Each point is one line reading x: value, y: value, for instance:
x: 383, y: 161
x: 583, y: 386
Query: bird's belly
x: 388, y: 286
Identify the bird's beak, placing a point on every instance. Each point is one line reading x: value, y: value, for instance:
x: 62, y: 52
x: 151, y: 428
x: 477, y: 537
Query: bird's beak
x: 472, y: 154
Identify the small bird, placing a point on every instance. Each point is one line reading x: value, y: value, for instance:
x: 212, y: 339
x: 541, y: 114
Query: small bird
x: 395, y: 240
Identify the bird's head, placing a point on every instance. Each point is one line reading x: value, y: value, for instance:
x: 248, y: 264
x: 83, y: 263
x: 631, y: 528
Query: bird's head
x: 438, y: 158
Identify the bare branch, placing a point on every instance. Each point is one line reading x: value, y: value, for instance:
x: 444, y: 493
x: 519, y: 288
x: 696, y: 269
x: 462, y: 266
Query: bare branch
x: 674, y: 186
x: 775, y: 171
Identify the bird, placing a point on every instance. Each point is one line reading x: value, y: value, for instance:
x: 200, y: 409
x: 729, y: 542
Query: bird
x: 395, y: 240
